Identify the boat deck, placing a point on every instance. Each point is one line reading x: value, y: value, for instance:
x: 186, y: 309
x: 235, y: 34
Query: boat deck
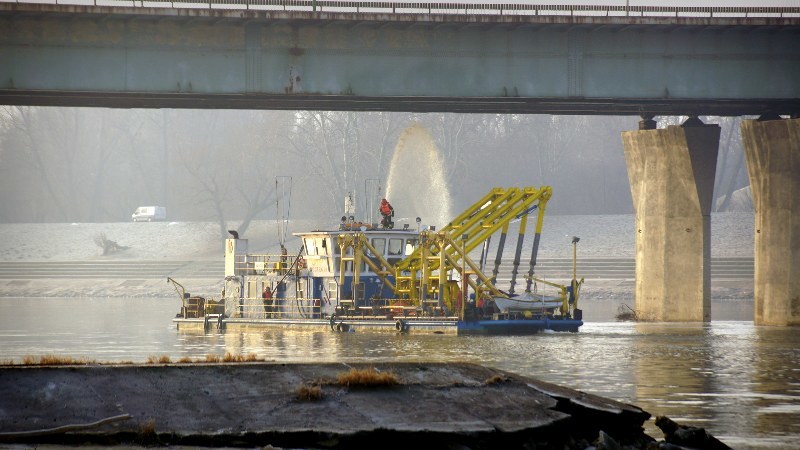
x: 500, y: 323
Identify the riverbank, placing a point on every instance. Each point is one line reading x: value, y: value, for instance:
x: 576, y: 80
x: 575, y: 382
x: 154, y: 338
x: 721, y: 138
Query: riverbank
x: 430, y: 405
x: 604, y: 236
x: 615, y: 290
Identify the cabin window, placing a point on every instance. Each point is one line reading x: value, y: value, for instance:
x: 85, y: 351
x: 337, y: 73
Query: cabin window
x: 411, y: 245
x: 333, y: 290
x: 311, y: 248
x: 348, y: 265
x: 379, y: 244
x: 319, y: 243
x: 252, y: 289
x: 395, y: 246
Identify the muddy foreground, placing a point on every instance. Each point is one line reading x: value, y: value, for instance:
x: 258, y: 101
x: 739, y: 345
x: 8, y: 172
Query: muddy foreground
x: 303, y: 406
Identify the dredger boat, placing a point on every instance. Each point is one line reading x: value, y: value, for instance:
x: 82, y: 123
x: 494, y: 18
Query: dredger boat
x: 363, y: 277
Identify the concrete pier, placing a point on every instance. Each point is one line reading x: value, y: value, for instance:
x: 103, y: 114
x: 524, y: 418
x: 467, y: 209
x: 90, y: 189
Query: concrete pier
x: 671, y: 173
x: 772, y: 149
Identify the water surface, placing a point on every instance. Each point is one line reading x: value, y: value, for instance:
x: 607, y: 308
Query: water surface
x: 739, y: 381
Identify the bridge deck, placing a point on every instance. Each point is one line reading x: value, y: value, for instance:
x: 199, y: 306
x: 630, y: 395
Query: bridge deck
x: 364, y: 56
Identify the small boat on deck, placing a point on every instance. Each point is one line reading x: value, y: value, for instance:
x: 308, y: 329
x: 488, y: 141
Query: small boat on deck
x: 361, y: 277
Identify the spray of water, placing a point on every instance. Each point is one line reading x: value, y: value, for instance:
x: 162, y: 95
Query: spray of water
x: 416, y: 184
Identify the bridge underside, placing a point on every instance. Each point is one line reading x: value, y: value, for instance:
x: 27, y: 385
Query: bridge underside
x: 143, y: 57
x: 499, y: 105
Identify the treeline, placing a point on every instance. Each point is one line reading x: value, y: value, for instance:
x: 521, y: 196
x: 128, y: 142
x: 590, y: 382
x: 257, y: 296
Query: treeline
x: 98, y: 165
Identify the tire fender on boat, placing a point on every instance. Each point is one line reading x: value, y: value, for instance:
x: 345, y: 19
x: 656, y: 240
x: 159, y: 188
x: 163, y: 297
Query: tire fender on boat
x: 401, y: 325
x: 342, y: 327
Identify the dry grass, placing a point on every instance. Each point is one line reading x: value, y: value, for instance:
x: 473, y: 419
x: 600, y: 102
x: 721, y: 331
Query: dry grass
x: 148, y: 428
x: 163, y: 359
x: 230, y: 357
x: 54, y: 360
x: 147, y: 434
x: 239, y: 358
x: 367, y: 378
x: 309, y: 392
x: 497, y: 379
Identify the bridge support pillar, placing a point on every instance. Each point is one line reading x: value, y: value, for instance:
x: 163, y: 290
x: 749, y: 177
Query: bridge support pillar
x: 671, y: 173
x: 772, y: 149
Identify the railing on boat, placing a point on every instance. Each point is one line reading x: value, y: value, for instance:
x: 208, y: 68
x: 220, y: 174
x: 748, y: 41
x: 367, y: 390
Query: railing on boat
x: 309, y: 308
x: 266, y: 264
x: 275, y: 308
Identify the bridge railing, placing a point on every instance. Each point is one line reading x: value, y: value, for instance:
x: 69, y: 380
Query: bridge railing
x: 449, y: 8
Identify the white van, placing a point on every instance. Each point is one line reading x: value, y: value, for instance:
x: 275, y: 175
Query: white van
x: 149, y: 214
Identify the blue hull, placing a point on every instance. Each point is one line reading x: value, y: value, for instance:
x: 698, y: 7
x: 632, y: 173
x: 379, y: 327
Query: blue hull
x: 524, y: 326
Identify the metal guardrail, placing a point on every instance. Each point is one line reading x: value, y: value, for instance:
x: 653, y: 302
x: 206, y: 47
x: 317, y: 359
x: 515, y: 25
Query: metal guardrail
x: 555, y: 268
x: 451, y: 8
x: 274, y: 308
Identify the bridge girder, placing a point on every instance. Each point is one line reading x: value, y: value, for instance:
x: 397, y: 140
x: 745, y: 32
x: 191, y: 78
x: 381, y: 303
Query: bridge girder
x: 57, y: 55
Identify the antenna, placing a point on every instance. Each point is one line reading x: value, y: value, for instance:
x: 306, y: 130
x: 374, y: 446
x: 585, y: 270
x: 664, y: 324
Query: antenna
x: 349, y: 205
x: 283, y: 205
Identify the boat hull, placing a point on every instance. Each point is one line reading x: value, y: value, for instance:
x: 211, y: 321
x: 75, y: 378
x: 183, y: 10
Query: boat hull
x: 503, y: 326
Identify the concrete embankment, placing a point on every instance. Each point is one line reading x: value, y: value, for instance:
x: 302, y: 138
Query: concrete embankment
x: 304, y: 406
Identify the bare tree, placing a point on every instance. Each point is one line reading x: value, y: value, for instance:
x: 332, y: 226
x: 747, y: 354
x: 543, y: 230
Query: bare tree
x: 332, y: 148
x: 229, y: 169
x: 727, y: 178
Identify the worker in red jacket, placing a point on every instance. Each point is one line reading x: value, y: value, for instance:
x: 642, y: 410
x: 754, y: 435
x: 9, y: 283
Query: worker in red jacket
x: 387, y: 212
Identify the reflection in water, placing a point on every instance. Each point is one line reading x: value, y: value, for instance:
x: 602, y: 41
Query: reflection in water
x: 775, y: 384
x: 739, y: 381
x: 674, y: 366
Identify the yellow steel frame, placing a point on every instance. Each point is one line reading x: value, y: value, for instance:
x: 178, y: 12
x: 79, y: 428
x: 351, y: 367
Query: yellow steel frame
x: 440, y: 250
x: 420, y: 275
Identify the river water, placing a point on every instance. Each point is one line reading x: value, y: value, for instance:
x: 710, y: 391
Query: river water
x: 739, y: 381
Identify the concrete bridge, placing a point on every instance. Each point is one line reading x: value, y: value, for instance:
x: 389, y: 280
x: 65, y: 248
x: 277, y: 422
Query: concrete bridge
x: 336, y: 55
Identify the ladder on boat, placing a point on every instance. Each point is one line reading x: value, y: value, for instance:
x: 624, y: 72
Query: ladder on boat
x: 214, y: 320
x: 448, y: 249
x: 422, y: 274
